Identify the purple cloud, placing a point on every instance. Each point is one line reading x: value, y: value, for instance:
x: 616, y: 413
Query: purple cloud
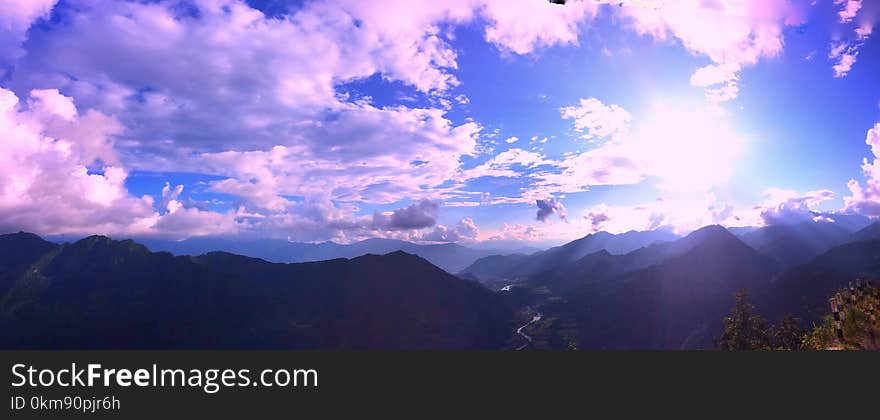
x: 421, y: 214
x: 548, y: 207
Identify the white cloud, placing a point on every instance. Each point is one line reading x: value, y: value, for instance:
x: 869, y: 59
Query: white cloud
x: 711, y: 76
x: 508, y: 163
x: 844, y: 50
x: 864, y: 30
x: 596, y: 119
x: 47, y: 184
x: 520, y: 26
x: 844, y: 56
x: 733, y: 34
x: 271, y: 111
x: 464, y: 230
x: 787, y: 206
x: 714, y: 74
x: 866, y: 200
x: 848, y: 9
x: 514, y: 232
x: 16, y: 17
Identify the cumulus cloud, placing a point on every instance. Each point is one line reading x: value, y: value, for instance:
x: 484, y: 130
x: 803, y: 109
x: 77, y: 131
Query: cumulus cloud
x: 596, y: 219
x: 733, y: 34
x: 596, y: 119
x: 271, y: 117
x: 267, y: 114
x: 16, y: 16
x: 515, y: 232
x: 680, y: 212
x: 789, y: 207
x: 467, y: 228
x: 464, y: 230
x: 56, y: 177
x: 170, y: 197
x: 520, y: 26
x: 548, y: 207
x: 273, y: 114
x: 421, y: 214
x: 618, y: 219
x: 866, y: 200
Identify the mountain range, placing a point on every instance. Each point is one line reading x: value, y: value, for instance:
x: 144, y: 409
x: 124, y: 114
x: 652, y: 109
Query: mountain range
x: 637, y: 290
x: 509, y: 268
x: 100, y: 293
x: 673, y: 294
x: 793, y: 244
x: 676, y: 301
x: 448, y: 256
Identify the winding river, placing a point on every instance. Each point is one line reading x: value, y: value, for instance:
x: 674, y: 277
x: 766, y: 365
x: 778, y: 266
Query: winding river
x: 528, y: 338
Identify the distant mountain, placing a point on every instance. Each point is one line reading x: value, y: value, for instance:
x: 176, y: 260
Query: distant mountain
x: 602, y: 265
x: 666, y: 294
x: 450, y: 257
x: 804, y: 290
x: 850, y: 222
x: 793, y: 244
x: 677, y: 303
x: 739, y: 231
x: 518, y: 267
x: 100, y: 293
x: 867, y: 233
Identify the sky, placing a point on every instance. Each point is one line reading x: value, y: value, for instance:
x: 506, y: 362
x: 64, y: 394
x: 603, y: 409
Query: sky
x: 472, y: 121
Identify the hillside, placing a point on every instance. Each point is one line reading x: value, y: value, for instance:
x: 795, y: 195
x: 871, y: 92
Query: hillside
x: 674, y: 304
x: 804, y: 290
x: 100, y: 293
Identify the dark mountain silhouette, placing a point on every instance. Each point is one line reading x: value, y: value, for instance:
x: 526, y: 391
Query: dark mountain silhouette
x: 677, y: 303
x: 804, y: 290
x: 518, y: 267
x: 793, y: 244
x: 448, y: 256
x: 18, y: 251
x: 100, y: 293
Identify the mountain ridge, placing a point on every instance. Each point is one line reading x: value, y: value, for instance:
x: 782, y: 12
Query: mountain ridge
x: 517, y: 266
x: 673, y: 304
x: 451, y: 257
x: 101, y: 293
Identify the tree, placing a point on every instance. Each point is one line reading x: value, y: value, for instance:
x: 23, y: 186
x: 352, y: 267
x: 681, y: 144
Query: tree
x: 743, y: 329
x: 787, y: 333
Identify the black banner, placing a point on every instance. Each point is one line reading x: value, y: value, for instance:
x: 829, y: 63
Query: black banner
x: 239, y: 384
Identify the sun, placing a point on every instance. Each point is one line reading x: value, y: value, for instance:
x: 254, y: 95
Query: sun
x: 688, y: 147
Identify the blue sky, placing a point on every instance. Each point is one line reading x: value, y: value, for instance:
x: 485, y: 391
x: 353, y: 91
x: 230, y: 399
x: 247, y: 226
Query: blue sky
x: 397, y: 118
